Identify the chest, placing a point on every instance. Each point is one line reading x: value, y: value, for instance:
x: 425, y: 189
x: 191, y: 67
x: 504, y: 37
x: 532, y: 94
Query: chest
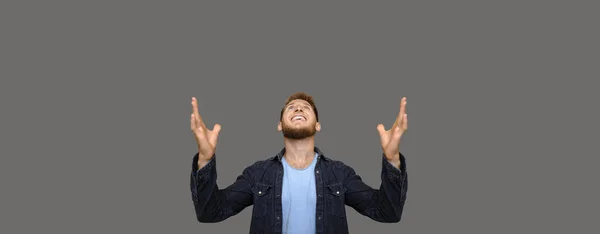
x: 299, y: 187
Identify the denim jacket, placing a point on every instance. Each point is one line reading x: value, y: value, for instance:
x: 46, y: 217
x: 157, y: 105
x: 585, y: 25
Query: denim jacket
x: 260, y: 185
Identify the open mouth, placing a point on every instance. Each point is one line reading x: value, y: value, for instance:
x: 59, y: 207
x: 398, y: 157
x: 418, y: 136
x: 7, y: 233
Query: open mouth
x: 298, y: 118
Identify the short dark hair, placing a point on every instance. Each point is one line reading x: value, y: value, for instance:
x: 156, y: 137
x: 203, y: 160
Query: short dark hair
x: 302, y: 96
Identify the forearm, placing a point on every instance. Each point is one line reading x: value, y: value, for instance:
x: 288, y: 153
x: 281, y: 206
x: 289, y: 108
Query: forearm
x: 210, y: 203
x: 386, y: 203
x: 212, y: 208
x: 393, y: 188
x: 204, y: 188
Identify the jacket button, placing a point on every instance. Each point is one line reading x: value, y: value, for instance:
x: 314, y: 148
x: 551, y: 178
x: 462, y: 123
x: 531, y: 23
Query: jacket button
x: 317, y: 172
x: 337, y: 192
x: 259, y: 192
x: 277, y: 217
x: 319, y: 217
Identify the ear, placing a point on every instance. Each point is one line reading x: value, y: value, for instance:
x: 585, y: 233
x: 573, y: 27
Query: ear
x: 279, y: 128
x: 318, y: 126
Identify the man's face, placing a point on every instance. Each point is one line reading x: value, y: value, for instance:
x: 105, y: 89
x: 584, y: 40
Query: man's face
x: 298, y: 120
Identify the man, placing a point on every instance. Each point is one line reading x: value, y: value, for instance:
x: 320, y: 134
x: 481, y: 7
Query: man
x: 299, y: 190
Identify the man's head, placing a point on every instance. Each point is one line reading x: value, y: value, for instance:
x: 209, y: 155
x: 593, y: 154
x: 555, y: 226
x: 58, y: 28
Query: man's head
x: 299, y: 117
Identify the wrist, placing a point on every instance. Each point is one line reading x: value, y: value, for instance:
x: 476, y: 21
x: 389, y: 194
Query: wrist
x: 203, y: 160
x: 395, y: 162
x: 202, y: 163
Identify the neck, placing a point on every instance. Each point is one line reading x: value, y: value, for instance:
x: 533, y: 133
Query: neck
x: 299, y: 151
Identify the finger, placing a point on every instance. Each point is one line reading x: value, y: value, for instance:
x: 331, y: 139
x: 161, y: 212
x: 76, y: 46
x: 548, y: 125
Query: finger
x: 199, y: 122
x: 217, y: 129
x: 381, y: 129
x: 396, y: 123
x: 398, y: 130
x: 405, y: 122
x: 195, y: 108
x: 402, y: 107
x: 398, y: 120
x: 214, y: 136
x: 193, y: 122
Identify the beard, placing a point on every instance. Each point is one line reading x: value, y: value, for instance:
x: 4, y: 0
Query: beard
x: 298, y: 133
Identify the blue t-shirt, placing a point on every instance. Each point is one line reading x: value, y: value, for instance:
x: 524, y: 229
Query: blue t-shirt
x: 298, y: 198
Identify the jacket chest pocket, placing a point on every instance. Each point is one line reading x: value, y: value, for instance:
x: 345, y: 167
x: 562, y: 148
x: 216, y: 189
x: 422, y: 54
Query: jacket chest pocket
x: 335, y: 197
x: 263, y: 199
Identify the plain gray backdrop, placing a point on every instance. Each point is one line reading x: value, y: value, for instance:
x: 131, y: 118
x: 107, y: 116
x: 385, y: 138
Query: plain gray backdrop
x: 502, y: 106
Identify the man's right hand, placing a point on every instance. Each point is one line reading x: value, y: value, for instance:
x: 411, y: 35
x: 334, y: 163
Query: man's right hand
x: 206, y: 139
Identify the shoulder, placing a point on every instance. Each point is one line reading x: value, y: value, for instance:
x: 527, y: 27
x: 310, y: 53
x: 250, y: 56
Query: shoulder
x: 331, y: 161
x: 259, y: 166
x: 262, y: 171
x: 338, y: 166
x: 262, y: 164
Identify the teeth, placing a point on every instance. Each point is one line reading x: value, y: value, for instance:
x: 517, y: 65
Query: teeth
x: 298, y: 118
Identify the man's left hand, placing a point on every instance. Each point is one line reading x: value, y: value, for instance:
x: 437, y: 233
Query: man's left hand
x: 390, y: 139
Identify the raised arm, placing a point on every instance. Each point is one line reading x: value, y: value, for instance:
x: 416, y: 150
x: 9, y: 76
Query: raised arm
x: 385, y: 204
x: 211, y: 203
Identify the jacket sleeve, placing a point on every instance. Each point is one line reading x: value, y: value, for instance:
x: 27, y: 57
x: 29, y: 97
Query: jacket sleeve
x: 213, y: 204
x: 385, y: 204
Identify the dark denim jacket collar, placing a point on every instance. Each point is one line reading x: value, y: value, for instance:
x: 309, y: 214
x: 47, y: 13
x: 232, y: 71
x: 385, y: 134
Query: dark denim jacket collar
x: 282, y: 152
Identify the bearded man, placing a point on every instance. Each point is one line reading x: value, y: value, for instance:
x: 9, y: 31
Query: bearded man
x: 299, y: 190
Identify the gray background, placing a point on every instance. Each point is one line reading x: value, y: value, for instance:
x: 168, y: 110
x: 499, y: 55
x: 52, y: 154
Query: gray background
x: 95, y: 102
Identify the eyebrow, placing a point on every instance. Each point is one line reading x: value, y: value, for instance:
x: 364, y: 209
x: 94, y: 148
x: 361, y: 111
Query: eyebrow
x: 305, y: 104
